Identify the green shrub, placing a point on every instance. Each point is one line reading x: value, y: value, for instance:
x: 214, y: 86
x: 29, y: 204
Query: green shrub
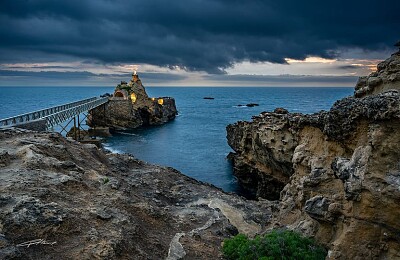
x: 274, y: 245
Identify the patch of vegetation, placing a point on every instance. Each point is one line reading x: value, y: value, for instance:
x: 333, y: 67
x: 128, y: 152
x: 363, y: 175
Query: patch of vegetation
x: 126, y: 87
x: 278, y: 244
x: 106, y: 180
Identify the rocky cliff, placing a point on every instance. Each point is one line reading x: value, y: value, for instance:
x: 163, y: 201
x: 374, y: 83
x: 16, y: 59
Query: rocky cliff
x: 387, y: 76
x: 336, y: 174
x: 60, y: 199
x: 131, y: 107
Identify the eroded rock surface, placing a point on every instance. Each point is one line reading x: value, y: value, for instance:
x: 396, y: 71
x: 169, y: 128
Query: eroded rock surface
x: 74, y: 201
x: 336, y: 174
x: 386, y: 77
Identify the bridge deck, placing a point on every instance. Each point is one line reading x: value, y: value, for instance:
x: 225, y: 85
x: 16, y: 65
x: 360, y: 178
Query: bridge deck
x: 55, y: 115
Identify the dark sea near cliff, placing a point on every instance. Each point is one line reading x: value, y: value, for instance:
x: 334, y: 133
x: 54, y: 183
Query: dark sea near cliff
x: 195, y: 142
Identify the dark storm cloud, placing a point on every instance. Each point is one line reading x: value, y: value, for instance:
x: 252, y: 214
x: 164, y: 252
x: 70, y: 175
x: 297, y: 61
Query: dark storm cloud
x: 348, y: 67
x: 40, y: 67
x: 75, y: 78
x: 86, y: 74
x: 46, y: 74
x: 205, y: 35
x: 45, y: 78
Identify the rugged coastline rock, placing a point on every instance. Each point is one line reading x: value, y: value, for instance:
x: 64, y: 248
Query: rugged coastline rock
x: 131, y: 107
x: 60, y: 199
x: 336, y: 173
x: 386, y: 77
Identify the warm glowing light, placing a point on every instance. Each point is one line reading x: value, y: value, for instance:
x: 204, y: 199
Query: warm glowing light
x: 160, y: 101
x: 133, y: 97
x: 152, y: 99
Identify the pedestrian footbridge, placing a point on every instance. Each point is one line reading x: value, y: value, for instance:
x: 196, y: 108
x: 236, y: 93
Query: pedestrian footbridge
x: 45, y: 119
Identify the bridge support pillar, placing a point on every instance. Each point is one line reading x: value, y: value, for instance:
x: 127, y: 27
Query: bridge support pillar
x: 75, y: 129
x: 79, y: 128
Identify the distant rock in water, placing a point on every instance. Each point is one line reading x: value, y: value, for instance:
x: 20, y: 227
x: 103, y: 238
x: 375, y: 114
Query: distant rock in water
x: 106, y: 95
x: 335, y: 175
x: 249, y: 105
x: 252, y: 105
x: 131, y: 107
x: 208, y: 98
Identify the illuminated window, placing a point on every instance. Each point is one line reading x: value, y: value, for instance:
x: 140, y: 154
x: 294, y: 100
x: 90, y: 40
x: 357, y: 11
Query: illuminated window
x: 133, y: 97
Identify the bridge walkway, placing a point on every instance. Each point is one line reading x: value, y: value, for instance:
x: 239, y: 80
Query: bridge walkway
x: 45, y: 119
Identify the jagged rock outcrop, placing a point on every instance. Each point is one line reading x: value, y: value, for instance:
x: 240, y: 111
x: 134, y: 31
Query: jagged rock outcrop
x: 60, y: 199
x: 131, y: 107
x: 386, y: 77
x: 262, y: 161
x: 338, y: 172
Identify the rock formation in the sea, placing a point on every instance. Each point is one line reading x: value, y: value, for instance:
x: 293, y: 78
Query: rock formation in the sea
x: 336, y: 174
x: 60, y: 199
x: 131, y: 107
x: 386, y: 77
x: 249, y: 105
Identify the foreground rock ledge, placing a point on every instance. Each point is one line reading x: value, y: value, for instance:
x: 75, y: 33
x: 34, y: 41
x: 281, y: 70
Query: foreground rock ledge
x: 72, y: 201
x: 336, y: 174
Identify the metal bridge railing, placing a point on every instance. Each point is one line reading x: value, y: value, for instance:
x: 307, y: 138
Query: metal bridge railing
x: 55, y: 115
x: 59, y: 117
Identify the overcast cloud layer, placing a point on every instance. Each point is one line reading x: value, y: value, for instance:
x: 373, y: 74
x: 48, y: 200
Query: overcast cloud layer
x: 200, y: 35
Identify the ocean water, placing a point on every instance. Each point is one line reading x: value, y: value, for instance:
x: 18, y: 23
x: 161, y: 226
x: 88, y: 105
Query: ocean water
x: 195, y: 142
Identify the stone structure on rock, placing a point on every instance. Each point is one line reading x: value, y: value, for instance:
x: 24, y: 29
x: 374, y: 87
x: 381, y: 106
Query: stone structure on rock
x: 335, y: 174
x: 131, y: 107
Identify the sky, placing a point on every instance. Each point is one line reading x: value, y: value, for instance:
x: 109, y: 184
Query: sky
x: 194, y: 42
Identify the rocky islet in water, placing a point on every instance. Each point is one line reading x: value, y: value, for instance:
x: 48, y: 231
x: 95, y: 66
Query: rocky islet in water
x: 130, y: 107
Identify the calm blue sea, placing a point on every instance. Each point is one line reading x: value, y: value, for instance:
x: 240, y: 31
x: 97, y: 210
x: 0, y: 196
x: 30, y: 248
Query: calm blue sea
x: 195, y: 142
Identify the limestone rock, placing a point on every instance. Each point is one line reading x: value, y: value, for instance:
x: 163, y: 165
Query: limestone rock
x: 317, y: 207
x: 281, y: 110
x: 385, y: 78
x: 78, y: 202
x: 262, y: 161
x: 338, y: 171
x: 5, y: 158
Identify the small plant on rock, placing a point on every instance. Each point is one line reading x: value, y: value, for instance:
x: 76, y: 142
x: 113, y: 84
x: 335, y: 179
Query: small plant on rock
x: 278, y: 244
x: 106, y: 180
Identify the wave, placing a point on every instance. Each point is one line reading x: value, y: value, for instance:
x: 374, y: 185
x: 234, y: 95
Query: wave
x: 113, y: 150
x: 125, y: 133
